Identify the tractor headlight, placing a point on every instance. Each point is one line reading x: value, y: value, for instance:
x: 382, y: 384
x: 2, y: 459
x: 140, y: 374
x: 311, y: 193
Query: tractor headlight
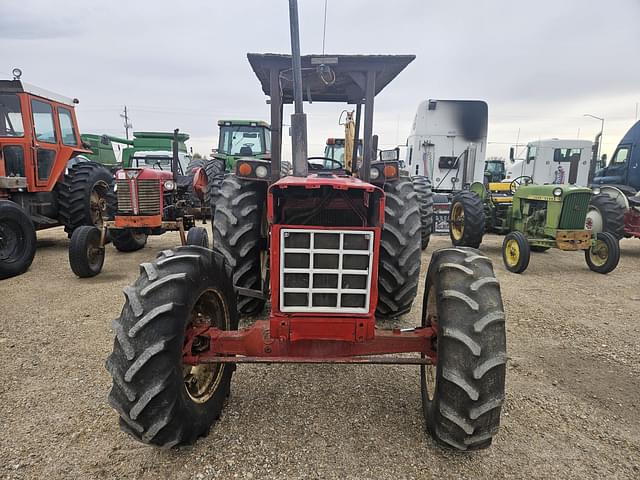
x: 169, y: 185
x: 374, y: 174
x: 595, y: 190
x: 557, y: 192
x: 262, y: 171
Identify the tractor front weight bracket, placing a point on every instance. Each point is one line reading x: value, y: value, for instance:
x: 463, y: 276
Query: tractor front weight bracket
x: 255, y: 344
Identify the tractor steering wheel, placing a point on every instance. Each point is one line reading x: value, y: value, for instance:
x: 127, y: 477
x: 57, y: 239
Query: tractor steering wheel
x: 516, y: 182
x: 336, y: 165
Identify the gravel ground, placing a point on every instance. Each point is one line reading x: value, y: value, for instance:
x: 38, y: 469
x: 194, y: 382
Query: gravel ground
x: 573, y: 387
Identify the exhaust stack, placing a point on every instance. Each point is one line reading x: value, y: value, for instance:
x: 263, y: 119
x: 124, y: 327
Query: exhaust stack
x: 298, y: 119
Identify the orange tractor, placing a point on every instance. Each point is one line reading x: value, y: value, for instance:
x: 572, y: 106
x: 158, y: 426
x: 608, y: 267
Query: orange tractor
x: 318, y: 250
x: 44, y: 179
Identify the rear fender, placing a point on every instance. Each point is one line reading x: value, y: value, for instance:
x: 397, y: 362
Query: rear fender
x: 616, y: 194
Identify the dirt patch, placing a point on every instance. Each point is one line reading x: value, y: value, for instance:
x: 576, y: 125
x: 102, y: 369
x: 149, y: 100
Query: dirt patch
x: 573, y: 387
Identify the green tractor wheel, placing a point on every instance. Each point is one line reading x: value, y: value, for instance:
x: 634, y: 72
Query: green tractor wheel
x: 466, y: 219
x: 604, y: 256
x: 516, y: 252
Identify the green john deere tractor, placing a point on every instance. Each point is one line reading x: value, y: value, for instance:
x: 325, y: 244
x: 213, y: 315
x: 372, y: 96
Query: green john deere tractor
x: 533, y: 218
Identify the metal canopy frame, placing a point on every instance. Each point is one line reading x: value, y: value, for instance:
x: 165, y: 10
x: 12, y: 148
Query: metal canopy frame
x: 351, y: 79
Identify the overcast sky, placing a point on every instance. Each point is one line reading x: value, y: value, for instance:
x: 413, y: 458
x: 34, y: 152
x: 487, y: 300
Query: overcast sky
x: 540, y: 65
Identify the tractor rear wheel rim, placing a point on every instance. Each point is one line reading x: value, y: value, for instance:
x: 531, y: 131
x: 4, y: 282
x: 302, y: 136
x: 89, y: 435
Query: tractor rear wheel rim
x: 457, y: 221
x: 432, y: 321
x: 10, y: 239
x: 98, y: 203
x: 599, y: 253
x: 201, y: 381
x: 512, y: 252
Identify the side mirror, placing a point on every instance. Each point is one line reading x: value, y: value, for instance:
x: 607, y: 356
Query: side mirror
x: 557, y: 155
x: 512, y: 154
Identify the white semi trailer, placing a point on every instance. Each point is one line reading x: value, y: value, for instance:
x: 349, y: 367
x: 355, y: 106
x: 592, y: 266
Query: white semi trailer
x: 448, y: 144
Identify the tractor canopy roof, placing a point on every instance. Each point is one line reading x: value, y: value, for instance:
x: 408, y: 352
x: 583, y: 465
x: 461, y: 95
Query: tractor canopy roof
x: 17, y: 86
x: 328, y: 78
x: 244, y: 123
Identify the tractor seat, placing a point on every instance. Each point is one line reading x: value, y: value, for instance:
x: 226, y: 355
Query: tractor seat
x: 246, y: 151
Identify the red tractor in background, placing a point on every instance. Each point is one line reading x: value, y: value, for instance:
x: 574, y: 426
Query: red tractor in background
x: 151, y: 201
x: 322, y: 236
x: 44, y: 179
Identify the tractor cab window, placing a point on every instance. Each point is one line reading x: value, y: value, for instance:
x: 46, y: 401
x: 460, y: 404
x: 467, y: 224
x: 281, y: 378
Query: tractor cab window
x: 161, y: 162
x: 531, y: 153
x: 10, y: 116
x: 566, y: 154
x: 67, y: 130
x: 243, y: 140
x: 43, y: 121
x: 621, y: 156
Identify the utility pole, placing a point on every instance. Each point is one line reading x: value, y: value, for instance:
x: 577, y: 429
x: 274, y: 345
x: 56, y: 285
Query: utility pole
x: 127, y: 124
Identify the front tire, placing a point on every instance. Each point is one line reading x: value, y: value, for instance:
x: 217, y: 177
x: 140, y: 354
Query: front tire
x: 466, y: 219
x: 516, y: 252
x: 399, y: 264
x: 422, y: 186
x: 605, y: 255
x: 160, y: 400
x: 127, y: 240
x: 198, y: 236
x: 463, y: 394
x: 86, y: 255
x: 17, y: 240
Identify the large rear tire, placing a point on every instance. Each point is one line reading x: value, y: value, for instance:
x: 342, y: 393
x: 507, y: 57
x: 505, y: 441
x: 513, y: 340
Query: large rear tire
x: 605, y: 215
x: 422, y: 186
x: 466, y: 219
x: 86, y: 196
x: 463, y: 394
x: 238, y: 234
x: 399, y: 265
x: 162, y: 401
x: 17, y: 240
x: 215, y: 169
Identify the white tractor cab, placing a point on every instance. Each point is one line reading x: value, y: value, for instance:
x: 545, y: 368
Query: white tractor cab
x: 553, y: 161
x: 448, y: 144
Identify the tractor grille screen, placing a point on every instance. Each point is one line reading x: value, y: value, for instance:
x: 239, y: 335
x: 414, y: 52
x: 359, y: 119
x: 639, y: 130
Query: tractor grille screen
x: 145, y: 198
x: 574, y: 211
x: 325, y: 270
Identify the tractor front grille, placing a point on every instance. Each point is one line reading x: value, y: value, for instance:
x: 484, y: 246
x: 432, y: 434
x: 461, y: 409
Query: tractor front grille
x: 145, y: 199
x: 574, y: 210
x: 325, y: 270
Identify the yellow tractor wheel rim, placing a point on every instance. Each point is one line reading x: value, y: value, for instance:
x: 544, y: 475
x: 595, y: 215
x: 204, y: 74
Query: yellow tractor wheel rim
x: 599, y: 253
x: 457, y: 221
x: 512, y: 252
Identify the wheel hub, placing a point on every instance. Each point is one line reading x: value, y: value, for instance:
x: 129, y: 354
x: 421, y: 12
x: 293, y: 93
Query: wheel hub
x: 10, y: 238
x: 512, y: 252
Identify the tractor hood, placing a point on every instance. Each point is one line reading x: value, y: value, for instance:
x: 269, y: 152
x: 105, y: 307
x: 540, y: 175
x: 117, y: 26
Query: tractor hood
x: 143, y: 174
x: 545, y: 192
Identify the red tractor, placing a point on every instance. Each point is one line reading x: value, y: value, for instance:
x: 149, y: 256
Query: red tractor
x: 177, y: 339
x: 151, y: 201
x: 44, y: 179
